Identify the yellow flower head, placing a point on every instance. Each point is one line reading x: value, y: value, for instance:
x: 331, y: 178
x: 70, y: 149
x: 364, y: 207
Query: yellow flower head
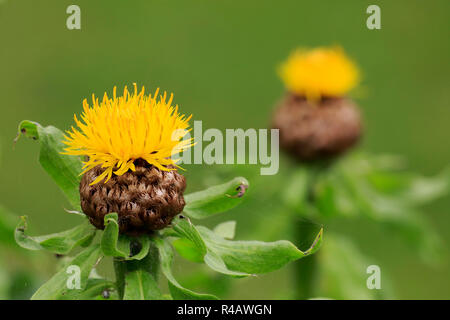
x: 319, y: 72
x: 120, y: 130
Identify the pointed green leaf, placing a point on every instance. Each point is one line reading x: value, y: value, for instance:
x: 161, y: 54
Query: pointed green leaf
x: 59, y: 243
x: 63, y: 284
x: 254, y: 257
x: 316, y: 245
x: 115, y: 245
x: 177, y: 291
x: 140, y: 285
x: 234, y: 258
x: 63, y: 169
x: 217, y: 199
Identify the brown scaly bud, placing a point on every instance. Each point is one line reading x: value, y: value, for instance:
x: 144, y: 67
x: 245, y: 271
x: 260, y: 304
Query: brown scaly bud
x: 146, y: 199
x: 311, y: 130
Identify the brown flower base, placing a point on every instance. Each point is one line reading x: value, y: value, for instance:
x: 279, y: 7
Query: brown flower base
x: 145, y: 200
x: 317, y: 130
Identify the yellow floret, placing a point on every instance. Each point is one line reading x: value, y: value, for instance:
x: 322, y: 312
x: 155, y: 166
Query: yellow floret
x: 118, y: 130
x: 319, y: 72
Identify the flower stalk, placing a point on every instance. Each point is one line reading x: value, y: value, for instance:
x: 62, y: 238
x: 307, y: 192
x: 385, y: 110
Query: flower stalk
x: 149, y: 264
x: 306, y: 270
x: 317, y: 123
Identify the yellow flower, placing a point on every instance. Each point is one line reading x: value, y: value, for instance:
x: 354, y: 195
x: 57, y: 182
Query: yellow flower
x: 120, y: 130
x: 319, y: 72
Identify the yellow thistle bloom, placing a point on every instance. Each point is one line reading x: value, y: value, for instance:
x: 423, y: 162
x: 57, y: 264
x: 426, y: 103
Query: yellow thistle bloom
x: 319, y: 72
x: 120, y: 130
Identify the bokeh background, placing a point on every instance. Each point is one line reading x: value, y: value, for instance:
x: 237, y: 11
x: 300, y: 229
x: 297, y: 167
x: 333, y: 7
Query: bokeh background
x: 220, y: 59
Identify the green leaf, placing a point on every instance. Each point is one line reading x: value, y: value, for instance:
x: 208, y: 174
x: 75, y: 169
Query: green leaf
x: 63, y: 169
x: 188, y: 250
x: 226, y: 229
x: 234, y: 258
x: 57, y: 287
x: 216, y: 263
x: 194, y: 248
x: 316, y: 245
x: 59, y: 243
x: 176, y: 290
x: 185, y: 229
x: 144, y: 247
x: 395, y: 213
x: 115, y: 245
x: 110, y: 243
x: 409, y: 187
x: 140, y: 285
x: 217, y: 199
x: 253, y: 257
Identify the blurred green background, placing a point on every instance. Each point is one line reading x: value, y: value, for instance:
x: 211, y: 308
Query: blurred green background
x: 219, y: 59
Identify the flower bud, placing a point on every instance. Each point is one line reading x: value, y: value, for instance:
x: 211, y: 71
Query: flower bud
x: 311, y: 130
x: 146, y: 199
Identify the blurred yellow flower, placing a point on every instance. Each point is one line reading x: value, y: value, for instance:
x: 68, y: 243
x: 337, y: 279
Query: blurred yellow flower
x: 319, y: 72
x: 120, y: 130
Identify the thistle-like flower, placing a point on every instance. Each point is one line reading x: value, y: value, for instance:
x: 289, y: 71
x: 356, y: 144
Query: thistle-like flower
x: 315, y: 118
x: 118, y: 131
x: 321, y: 72
x: 128, y: 143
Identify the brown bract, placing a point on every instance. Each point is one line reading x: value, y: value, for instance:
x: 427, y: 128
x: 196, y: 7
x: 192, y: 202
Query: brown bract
x: 317, y: 130
x: 145, y: 200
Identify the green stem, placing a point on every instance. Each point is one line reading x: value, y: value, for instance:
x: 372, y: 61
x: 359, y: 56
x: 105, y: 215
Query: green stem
x: 119, y: 270
x: 149, y: 264
x: 306, y: 269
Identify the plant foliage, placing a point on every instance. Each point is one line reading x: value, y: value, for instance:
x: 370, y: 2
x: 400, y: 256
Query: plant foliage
x: 139, y: 260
